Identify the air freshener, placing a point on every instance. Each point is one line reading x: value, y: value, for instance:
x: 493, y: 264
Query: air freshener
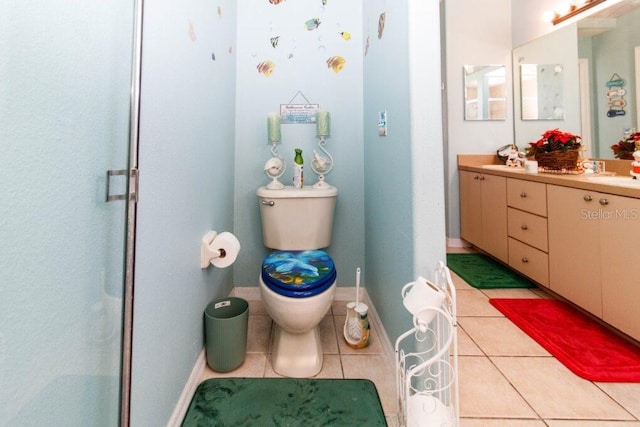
x: 298, y: 172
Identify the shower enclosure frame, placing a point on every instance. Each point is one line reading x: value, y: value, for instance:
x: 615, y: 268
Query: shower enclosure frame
x: 131, y: 200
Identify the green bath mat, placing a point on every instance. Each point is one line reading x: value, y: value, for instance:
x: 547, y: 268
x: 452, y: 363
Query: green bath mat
x: 290, y: 402
x: 482, y: 272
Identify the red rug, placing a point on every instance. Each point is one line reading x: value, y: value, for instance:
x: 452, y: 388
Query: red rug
x: 584, y: 346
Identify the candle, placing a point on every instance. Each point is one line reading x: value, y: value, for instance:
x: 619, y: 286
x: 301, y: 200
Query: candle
x: 273, y: 128
x: 323, y: 123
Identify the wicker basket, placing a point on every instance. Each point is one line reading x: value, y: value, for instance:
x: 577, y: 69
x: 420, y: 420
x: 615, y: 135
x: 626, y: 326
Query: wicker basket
x: 558, y: 160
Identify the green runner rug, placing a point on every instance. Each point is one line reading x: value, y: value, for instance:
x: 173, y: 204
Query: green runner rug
x: 481, y: 272
x: 291, y: 402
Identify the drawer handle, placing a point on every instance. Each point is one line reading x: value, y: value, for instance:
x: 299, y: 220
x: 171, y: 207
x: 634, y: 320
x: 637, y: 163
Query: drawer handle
x: 587, y: 198
x: 477, y: 177
x: 523, y: 194
x: 603, y: 202
x: 524, y: 227
x: 525, y: 259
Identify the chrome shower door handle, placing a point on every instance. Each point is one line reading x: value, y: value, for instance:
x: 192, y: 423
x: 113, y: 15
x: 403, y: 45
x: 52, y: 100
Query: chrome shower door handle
x: 133, y: 181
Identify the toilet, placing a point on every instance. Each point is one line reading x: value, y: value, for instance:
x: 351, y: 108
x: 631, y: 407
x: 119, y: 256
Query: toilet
x: 298, y: 278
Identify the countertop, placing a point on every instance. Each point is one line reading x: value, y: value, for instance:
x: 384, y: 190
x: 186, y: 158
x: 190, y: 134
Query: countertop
x: 620, y: 184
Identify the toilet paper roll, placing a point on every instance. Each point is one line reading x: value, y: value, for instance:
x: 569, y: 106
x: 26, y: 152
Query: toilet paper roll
x: 228, y: 246
x: 421, y: 294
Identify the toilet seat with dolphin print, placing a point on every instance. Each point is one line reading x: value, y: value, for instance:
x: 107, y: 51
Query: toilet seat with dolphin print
x: 298, y: 274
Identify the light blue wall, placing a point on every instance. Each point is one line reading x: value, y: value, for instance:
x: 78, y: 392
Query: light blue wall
x: 404, y: 177
x: 186, y: 189
x: 300, y: 65
x: 64, y: 99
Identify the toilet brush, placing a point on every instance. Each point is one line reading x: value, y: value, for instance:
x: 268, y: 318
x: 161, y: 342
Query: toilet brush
x: 356, y: 324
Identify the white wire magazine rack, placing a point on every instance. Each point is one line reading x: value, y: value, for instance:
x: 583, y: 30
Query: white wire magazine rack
x: 427, y: 354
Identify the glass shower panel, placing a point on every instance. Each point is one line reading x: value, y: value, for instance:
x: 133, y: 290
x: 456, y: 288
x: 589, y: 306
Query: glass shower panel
x: 65, y: 82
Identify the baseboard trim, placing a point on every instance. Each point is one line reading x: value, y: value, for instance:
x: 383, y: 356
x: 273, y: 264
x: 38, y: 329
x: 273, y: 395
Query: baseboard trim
x: 180, y: 410
x: 387, y: 346
x: 453, y: 242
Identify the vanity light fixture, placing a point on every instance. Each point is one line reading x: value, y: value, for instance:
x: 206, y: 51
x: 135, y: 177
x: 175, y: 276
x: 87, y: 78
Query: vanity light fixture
x: 569, y: 9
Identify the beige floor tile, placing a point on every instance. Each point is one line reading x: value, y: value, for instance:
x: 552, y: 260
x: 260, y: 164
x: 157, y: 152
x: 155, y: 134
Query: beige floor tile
x: 511, y: 293
x: 461, y: 250
x: 392, y: 421
x: 508, y: 389
x: 459, y: 283
x: 596, y: 423
x: 555, y: 392
x: 626, y: 394
x: 498, y: 336
x: 484, y: 391
x: 374, y: 367
x: 466, y: 346
x: 374, y: 347
x: 339, y: 308
x: 268, y: 371
x: 253, y: 367
x: 331, y: 367
x: 258, y: 334
x: 328, y: 335
x: 257, y: 307
x: 500, y: 422
x: 473, y: 302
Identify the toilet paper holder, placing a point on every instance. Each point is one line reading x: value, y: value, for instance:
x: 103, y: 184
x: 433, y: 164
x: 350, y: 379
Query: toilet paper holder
x: 212, y: 249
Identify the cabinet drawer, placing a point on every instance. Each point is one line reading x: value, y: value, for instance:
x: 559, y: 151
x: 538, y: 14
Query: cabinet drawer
x: 527, y: 196
x: 528, y: 228
x: 529, y: 261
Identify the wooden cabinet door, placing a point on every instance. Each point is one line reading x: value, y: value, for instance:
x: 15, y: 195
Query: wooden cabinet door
x: 471, y: 208
x: 494, y: 216
x: 619, y: 219
x: 574, y: 253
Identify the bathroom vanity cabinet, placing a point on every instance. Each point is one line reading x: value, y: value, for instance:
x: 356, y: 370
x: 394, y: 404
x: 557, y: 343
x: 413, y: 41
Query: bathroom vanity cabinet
x: 569, y: 233
x: 483, y: 212
x: 576, y: 274
x: 601, y: 231
x: 527, y: 229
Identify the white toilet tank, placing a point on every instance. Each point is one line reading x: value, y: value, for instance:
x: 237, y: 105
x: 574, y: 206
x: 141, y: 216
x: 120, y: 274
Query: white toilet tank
x: 297, y: 219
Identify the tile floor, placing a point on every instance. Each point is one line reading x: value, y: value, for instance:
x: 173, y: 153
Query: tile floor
x: 506, y: 378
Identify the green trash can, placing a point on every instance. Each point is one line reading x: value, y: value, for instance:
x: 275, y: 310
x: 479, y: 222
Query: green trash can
x: 225, y: 326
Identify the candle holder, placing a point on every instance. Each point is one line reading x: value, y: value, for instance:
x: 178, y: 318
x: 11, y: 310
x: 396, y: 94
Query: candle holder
x: 274, y: 168
x: 322, y: 165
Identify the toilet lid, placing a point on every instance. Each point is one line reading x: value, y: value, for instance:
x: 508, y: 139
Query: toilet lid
x: 298, y: 274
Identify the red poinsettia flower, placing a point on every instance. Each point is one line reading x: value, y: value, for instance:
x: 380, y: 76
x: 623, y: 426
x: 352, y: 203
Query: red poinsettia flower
x: 559, y: 136
x: 624, y: 148
x: 553, y: 140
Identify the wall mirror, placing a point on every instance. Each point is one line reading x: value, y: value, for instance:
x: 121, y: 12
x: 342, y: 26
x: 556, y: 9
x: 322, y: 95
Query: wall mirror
x: 542, y: 96
x: 485, y: 92
x: 551, y: 50
x: 606, y: 45
x: 592, y: 50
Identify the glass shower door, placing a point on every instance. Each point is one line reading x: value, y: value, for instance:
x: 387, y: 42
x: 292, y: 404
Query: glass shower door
x: 65, y: 104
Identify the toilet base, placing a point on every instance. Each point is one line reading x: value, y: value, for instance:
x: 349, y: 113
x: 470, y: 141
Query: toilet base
x: 296, y: 355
